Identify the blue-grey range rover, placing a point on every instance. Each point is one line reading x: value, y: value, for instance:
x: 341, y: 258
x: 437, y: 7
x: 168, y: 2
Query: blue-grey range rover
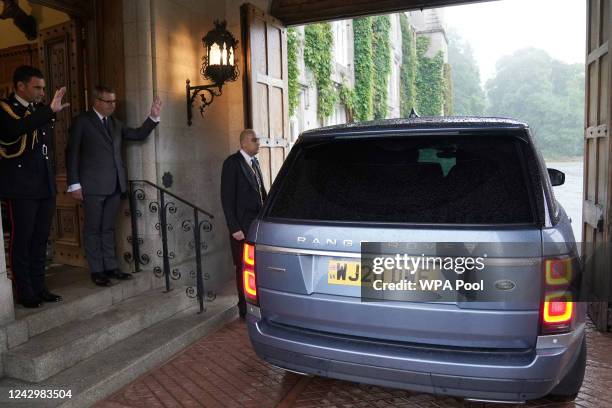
x: 464, y: 180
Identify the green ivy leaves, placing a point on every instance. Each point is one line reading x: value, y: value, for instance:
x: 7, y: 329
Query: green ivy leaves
x: 292, y: 69
x: 429, y: 80
x: 362, y: 34
x: 408, y: 68
x: 381, y: 52
x: 318, y: 46
x: 425, y: 82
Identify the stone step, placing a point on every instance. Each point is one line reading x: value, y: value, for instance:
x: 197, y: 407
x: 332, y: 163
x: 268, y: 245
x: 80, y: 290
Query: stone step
x: 81, y: 298
x: 105, y: 372
x: 64, y: 346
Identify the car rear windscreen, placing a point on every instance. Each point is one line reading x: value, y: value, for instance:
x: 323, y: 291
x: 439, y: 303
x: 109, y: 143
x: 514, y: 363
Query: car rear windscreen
x: 471, y: 179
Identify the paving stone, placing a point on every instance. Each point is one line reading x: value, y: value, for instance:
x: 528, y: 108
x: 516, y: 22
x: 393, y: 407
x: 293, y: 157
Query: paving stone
x: 222, y: 370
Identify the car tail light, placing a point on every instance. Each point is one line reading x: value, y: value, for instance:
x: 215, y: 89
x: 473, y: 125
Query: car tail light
x: 248, y: 273
x: 558, y: 271
x: 558, y: 307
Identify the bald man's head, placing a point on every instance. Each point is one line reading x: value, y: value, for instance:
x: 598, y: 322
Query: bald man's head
x: 249, y: 142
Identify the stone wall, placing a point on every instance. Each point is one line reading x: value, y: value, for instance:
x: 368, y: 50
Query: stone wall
x: 7, y: 312
x: 163, y: 48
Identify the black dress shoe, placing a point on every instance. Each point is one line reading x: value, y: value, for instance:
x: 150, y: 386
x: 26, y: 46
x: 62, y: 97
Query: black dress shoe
x: 100, y: 279
x: 50, y: 297
x: 117, y: 274
x: 31, y: 303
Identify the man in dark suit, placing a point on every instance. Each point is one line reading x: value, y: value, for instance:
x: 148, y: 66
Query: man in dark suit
x: 27, y: 180
x: 96, y: 176
x: 242, y: 196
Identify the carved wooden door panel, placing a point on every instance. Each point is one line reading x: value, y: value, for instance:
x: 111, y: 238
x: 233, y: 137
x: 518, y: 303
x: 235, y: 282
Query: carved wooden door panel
x: 597, y: 208
x: 10, y: 59
x: 61, y: 60
x: 266, y: 92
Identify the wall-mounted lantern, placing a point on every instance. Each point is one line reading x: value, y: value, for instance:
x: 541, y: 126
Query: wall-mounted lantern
x: 218, y: 66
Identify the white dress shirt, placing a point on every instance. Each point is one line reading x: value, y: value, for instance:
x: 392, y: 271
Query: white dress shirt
x: 246, y: 157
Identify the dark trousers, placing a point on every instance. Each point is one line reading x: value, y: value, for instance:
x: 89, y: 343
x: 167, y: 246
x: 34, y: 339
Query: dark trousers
x: 30, y: 226
x: 237, y: 247
x: 100, y: 213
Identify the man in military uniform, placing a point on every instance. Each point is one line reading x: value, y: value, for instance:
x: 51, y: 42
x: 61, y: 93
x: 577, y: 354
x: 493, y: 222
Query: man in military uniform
x: 27, y: 180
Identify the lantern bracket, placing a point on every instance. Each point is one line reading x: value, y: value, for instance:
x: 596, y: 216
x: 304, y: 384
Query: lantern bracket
x: 207, y: 94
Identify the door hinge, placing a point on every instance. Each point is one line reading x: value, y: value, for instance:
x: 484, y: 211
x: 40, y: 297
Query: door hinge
x: 600, y: 224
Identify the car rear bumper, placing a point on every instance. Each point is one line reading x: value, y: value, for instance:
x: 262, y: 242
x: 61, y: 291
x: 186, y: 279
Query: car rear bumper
x: 504, y: 376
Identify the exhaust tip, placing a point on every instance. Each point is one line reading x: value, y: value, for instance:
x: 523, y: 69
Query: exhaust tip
x: 291, y: 371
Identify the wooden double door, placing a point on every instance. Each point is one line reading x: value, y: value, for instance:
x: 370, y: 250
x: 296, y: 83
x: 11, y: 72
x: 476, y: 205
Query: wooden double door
x: 61, y: 58
x: 597, y: 204
x: 59, y: 54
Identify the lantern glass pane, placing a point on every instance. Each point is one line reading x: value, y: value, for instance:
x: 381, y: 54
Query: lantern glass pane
x: 215, y: 55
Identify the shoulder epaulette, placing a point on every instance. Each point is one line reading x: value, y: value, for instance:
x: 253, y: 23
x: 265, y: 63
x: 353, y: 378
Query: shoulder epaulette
x: 21, y: 139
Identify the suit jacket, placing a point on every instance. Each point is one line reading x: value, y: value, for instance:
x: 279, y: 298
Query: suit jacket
x: 239, y: 193
x: 93, y: 156
x: 31, y: 174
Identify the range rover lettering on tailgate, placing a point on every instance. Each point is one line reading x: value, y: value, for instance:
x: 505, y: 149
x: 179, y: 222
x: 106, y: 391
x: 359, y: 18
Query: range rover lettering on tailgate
x: 467, y: 293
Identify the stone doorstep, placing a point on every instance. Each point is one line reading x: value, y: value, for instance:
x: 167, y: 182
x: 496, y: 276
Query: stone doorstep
x: 106, y: 372
x: 63, y: 346
x: 79, y: 299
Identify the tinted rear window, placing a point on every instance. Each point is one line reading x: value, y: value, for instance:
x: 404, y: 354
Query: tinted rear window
x: 446, y: 180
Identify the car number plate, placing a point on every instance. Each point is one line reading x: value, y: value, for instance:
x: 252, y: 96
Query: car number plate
x: 344, y: 272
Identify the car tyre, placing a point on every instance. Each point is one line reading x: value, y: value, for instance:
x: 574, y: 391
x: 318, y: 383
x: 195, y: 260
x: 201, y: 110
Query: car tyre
x: 567, y: 390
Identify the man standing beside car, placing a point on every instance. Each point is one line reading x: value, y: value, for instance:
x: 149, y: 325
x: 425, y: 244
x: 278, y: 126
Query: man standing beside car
x: 96, y: 176
x: 242, y: 196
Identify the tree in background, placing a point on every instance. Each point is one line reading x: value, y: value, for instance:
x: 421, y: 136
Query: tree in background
x: 468, y: 95
x: 547, y: 94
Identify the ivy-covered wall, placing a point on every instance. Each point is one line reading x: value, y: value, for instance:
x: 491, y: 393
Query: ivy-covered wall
x: 362, y: 34
x: 347, y: 98
x: 293, y: 73
x: 408, y: 68
x: 381, y: 51
x: 448, y: 91
x: 318, y: 46
x: 429, y: 80
x: 424, y: 84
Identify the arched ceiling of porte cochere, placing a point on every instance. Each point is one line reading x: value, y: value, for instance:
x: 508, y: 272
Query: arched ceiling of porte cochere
x: 292, y: 12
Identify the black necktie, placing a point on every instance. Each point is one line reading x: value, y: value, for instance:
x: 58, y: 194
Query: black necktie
x: 31, y: 108
x: 105, y: 123
x: 258, y: 176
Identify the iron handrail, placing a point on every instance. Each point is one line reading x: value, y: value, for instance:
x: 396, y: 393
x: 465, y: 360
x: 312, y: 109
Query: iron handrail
x: 209, y: 215
x: 161, y: 209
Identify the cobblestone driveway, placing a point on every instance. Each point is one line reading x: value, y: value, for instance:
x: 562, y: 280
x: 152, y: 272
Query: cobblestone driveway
x: 221, y: 370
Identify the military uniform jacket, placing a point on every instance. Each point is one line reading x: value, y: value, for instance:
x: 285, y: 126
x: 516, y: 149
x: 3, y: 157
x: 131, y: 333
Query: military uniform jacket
x: 26, y: 168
